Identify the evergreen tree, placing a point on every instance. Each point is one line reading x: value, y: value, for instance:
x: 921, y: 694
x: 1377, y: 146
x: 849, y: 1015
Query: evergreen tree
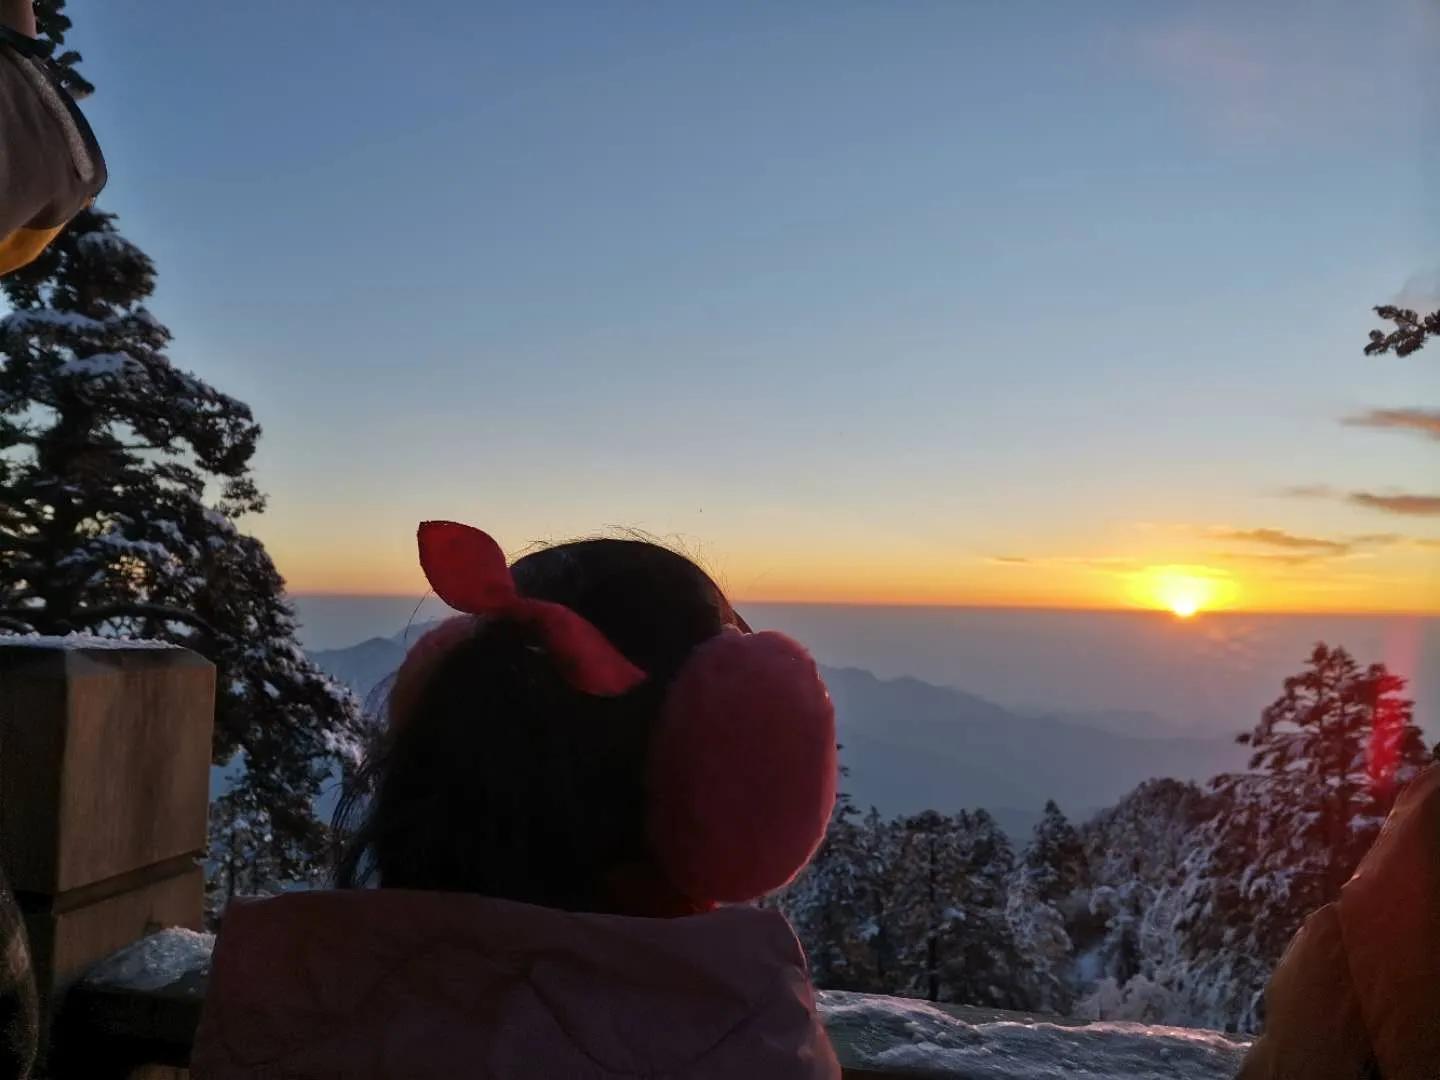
x: 1411, y: 329
x: 1129, y: 964
x: 987, y: 969
x: 1120, y: 910
x: 54, y: 24
x: 1043, y: 943
x: 1336, y: 745
x: 123, y: 478
x: 1055, y: 858
x: 1329, y: 756
x: 931, y: 876
x: 1146, y: 835
x: 1046, y: 897
x: 955, y: 942
x: 877, y: 968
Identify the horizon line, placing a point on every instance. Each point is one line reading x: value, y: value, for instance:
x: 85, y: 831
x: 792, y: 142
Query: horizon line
x: 1398, y: 613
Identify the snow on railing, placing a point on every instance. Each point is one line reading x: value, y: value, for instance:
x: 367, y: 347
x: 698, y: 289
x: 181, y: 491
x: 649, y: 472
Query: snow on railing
x: 886, y: 1036
x: 155, y: 962
x: 84, y: 643
x: 875, y: 1037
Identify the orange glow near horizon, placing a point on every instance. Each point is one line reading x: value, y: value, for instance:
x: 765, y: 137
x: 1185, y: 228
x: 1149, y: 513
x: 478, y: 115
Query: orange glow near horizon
x: 1179, y: 571
x: 1182, y: 589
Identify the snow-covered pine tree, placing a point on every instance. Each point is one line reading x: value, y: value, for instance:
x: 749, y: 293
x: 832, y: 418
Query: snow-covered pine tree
x: 242, y: 849
x: 1329, y: 756
x: 954, y: 940
x: 876, y: 967
x: 1044, y: 945
x: 1146, y: 835
x: 1047, y: 894
x: 930, y: 872
x: 1055, y: 858
x: 122, y: 479
x: 1120, y: 911
x: 988, y: 968
x: 1128, y: 958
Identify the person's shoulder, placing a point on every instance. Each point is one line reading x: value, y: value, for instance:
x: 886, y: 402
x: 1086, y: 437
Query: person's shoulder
x: 1424, y: 789
x: 1414, y: 819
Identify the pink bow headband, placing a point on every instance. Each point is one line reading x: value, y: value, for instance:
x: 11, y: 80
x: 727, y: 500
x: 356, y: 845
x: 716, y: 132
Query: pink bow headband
x: 742, y: 771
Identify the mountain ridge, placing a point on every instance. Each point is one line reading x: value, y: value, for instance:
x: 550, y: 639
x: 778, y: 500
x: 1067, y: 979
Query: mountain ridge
x: 912, y: 745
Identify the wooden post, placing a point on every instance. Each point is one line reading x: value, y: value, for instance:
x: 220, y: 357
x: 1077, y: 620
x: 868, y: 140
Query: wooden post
x: 104, y: 794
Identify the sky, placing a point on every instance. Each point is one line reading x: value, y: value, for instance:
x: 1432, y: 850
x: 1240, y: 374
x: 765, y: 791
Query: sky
x: 911, y: 302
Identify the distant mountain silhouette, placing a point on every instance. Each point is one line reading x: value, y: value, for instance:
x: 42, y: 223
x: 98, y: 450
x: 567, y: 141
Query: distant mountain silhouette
x: 362, y: 667
x: 911, y: 745
x: 1138, y: 723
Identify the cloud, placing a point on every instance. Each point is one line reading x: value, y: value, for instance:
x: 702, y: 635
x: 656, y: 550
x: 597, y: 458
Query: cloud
x: 1223, y: 74
x: 1281, y: 539
x: 1409, y: 505
x: 1223, y: 63
x: 1423, y: 421
x: 1300, y: 550
x: 1377, y: 539
x: 1272, y: 559
x: 1009, y: 560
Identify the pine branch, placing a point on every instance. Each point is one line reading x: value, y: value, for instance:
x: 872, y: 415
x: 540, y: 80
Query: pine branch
x: 98, y: 616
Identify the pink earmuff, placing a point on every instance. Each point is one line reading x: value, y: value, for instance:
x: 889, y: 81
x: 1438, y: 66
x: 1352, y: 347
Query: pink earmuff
x: 742, y: 769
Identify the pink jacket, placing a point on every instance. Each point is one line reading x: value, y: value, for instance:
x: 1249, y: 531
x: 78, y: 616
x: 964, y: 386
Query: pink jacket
x: 385, y: 983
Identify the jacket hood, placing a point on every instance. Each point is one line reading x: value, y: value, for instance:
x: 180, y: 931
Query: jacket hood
x: 393, y: 983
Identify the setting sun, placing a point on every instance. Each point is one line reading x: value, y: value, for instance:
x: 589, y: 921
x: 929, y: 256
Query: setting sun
x: 1183, y: 590
x: 1184, y: 606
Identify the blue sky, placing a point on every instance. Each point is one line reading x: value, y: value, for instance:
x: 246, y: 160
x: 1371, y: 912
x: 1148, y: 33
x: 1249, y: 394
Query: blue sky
x: 851, y: 299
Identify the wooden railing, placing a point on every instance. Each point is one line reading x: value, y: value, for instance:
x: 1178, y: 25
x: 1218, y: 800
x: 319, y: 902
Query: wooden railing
x: 104, y: 796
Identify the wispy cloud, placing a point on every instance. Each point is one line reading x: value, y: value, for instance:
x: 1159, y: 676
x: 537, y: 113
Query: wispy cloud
x: 1390, y: 502
x: 1223, y: 63
x: 1281, y: 539
x: 1009, y: 560
x: 1270, y: 558
x: 1409, y: 505
x: 1300, y: 550
x: 1378, y: 539
x: 1423, y: 421
x: 1224, y: 74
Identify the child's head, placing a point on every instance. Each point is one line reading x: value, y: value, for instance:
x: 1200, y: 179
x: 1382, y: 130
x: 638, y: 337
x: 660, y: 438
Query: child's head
x: 623, y: 745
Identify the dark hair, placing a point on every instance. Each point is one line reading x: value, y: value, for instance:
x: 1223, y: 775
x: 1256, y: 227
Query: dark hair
x: 506, y: 781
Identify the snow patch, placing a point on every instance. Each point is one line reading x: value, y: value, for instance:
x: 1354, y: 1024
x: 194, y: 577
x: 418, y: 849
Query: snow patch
x: 34, y: 319
x: 98, y: 365
x: 156, y: 961
x: 897, y: 1034
x: 80, y: 643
